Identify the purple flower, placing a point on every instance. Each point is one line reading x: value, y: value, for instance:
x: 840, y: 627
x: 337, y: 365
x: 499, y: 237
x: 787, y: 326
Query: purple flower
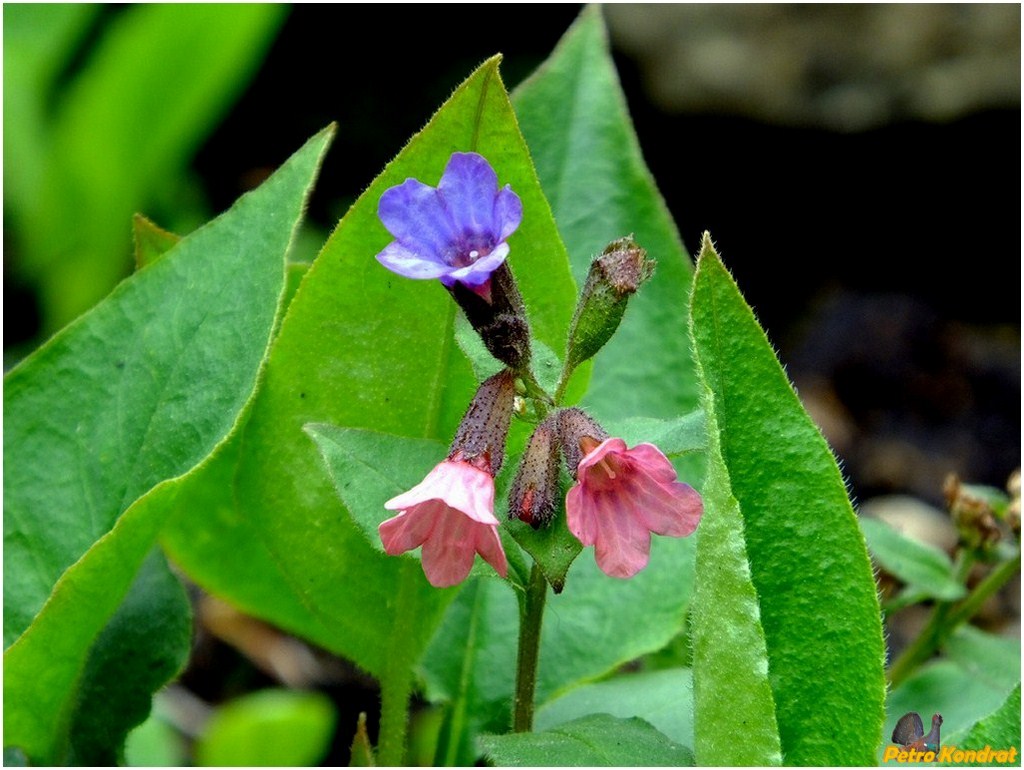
x: 455, y: 232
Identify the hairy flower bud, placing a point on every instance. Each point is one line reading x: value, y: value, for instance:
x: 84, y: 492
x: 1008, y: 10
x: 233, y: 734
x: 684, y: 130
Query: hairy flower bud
x: 613, y: 278
x: 480, y: 438
x: 535, y: 490
x: 579, y: 433
x: 496, y: 311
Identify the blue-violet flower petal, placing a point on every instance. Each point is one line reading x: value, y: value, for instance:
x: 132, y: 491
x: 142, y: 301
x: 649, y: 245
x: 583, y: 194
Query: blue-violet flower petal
x: 454, y: 232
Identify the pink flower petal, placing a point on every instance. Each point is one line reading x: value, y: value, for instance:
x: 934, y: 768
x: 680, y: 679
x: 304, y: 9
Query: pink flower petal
x: 459, y: 485
x: 623, y: 544
x: 448, y: 554
x: 409, y: 529
x: 451, y: 515
x: 622, y: 496
x: 653, y: 462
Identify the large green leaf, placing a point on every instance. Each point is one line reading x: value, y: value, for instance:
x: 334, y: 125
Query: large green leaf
x: 148, y: 93
x: 663, y: 698
x: 808, y: 562
x: 103, y: 421
x: 145, y: 644
x: 732, y: 689
x: 361, y: 347
x: 574, y: 117
x: 598, y: 740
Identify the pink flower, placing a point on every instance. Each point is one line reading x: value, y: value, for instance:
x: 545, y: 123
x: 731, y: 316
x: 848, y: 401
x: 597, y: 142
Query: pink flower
x: 451, y: 514
x: 622, y: 496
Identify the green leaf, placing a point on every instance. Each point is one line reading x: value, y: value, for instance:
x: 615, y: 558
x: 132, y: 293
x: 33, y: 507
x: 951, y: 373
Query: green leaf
x: 663, y: 698
x: 369, y: 468
x: 576, y: 644
x: 808, y: 562
x: 553, y: 547
x: 468, y: 612
x: 363, y: 348
x: 155, y: 743
x: 917, y: 564
x: 153, y: 87
x: 144, y: 645
x: 732, y: 690
x: 995, y: 659
x: 103, y: 421
x: 39, y: 39
x: 674, y: 437
x: 151, y: 241
x: 598, y: 740
x: 1000, y: 730
x: 574, y: 117
x: 271, y: 728
x: 361, y: 753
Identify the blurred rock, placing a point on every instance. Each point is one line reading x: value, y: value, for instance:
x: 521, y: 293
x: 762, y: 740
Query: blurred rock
x: 914, y: 518
x: 837, y: 66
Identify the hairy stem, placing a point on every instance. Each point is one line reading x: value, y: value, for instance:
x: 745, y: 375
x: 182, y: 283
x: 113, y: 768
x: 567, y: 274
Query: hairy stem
x: 396, y: 680
x: 531, y: 616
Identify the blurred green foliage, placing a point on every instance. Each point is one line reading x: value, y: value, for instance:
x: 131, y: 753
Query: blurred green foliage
x: 103, y: 111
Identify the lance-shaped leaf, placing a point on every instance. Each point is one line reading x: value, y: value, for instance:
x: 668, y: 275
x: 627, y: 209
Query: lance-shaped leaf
x: 103, y: 418
x: 732, y: 691
x: 574, y: 117
x: 808, y: 562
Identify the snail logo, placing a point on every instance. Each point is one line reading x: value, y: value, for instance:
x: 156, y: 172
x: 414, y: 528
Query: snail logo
x: 909, y: 733
x: 911, y: 745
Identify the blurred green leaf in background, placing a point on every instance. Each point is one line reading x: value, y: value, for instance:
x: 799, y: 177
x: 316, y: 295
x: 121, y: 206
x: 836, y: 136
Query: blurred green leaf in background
x: 103, y: 111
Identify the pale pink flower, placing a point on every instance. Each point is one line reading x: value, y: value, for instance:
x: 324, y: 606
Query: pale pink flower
x: 622, y: 496
x: 451, y: 514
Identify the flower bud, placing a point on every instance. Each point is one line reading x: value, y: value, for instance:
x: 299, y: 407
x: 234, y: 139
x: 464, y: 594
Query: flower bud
x: 973, y: 515
x: 579, y: 433
x: 480, y: 438
x: 535, y: 490
x: 496, y: 311
x: 614, y: 276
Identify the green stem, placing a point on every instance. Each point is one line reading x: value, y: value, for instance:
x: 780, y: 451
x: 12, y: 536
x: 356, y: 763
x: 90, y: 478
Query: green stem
x: 531, y: 616
x: 396, y: 679
x: 947, y: 617
x: 995, y: 580
x: 533, y: 388
x: 563, y: 381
